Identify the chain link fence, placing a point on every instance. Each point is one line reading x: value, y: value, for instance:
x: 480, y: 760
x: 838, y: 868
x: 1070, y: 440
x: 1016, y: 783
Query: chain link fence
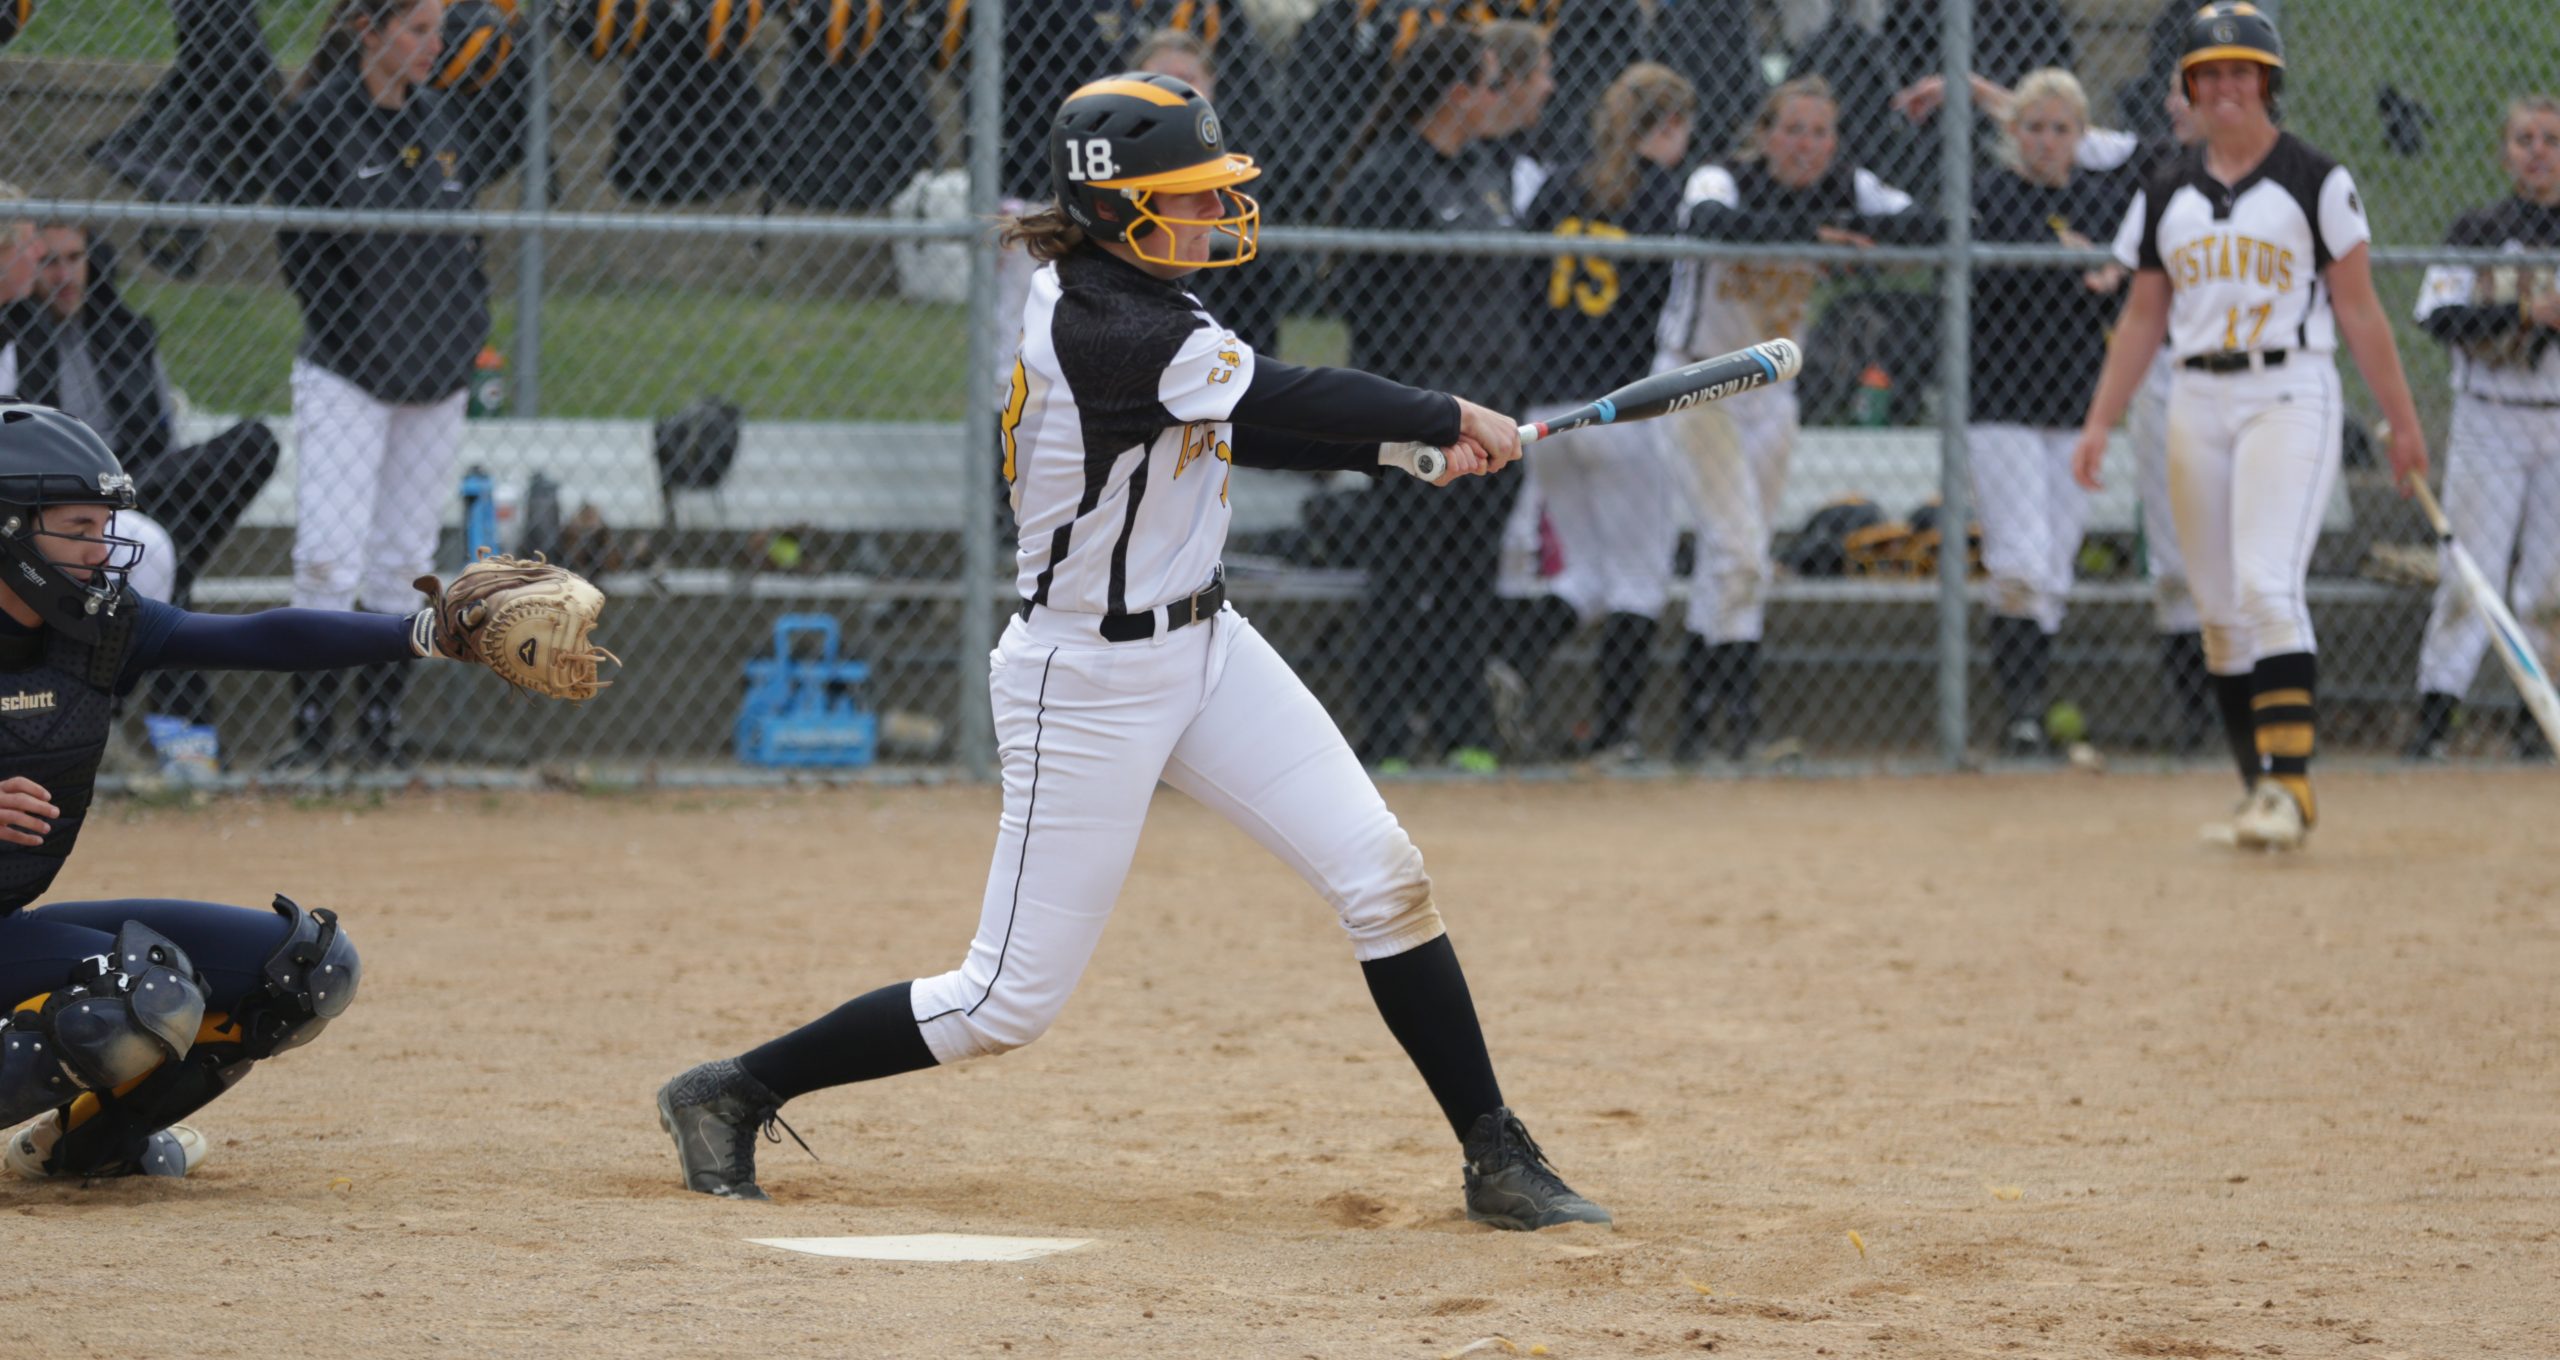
x: 691, y: 295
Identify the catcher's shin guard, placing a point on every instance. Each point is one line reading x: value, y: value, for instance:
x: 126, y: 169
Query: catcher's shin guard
x: 118, y: 1018
x: 310, y: 980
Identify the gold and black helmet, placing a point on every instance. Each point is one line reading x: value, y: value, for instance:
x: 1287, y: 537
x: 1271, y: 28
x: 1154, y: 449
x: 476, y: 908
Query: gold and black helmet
x: 2233, y: 30
x: 1118, y: 143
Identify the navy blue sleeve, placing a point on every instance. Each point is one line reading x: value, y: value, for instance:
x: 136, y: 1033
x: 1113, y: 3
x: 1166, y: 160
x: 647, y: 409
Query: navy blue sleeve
x: 169, y: 638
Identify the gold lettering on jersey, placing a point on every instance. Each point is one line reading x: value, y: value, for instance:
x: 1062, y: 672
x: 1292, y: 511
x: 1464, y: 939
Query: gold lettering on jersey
x: 1200, y: 438
x: 1773, y: 295
x: 38, y: 702
x: 2227, y: 257
x: 1018, y: 397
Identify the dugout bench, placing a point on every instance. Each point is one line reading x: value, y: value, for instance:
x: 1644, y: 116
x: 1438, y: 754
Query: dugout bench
x: 882, y: 504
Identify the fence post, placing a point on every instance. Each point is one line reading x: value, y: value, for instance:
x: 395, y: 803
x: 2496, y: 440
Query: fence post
x: 527, y: 361
x: 1955, y: 512
x: 978, y: 423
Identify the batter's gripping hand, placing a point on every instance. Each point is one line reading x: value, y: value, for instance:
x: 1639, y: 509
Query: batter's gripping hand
x: 526, y: 620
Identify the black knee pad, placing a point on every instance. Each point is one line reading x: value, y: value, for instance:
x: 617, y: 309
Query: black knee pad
x: 118, y: 1016
x: 309, y: 981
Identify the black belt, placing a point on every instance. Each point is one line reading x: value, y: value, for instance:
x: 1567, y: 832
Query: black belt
x: 1191, y: 608
x: 2522, y: 403
x: 2233, y: 361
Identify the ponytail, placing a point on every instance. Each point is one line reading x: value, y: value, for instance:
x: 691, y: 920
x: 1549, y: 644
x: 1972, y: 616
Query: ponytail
x: 342, y: 42
x: 1647, y: 96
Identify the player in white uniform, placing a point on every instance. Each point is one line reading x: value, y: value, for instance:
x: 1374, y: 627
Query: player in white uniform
x: 1127, y: 403
x: 2249, y: 255
x: 1787, y: 187
x: 2502, y: 458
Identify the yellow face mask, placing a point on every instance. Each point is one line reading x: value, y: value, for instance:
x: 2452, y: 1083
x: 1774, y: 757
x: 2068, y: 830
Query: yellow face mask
x: 1240, y: 222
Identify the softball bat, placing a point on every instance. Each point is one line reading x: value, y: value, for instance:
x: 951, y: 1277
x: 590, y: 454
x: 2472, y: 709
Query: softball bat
x: 2533, y: 684
x: 1707, y: 380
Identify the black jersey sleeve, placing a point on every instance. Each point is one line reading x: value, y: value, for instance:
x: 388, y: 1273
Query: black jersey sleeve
x: 1340, y: 406
x: 170, y: 638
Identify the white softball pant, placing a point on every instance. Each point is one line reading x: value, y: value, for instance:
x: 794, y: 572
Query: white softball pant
x: 1084, y: 730
x: 2173, y: 602
x: 2253, y: 456
x: 2032, y: 514
x: 2501, y: 486
x: 1604, y: 492
x: 372, y: 483
x: 1731, y: 460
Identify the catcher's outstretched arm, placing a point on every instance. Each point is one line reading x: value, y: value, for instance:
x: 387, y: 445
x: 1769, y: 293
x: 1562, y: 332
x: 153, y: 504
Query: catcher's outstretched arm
x: 169, y: 638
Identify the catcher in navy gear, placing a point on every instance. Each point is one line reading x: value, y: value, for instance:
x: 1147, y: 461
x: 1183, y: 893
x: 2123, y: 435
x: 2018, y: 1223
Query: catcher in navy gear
x: 118, y: 1019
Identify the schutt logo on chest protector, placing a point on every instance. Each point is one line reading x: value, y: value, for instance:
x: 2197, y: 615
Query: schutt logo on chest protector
x: 21, y: 705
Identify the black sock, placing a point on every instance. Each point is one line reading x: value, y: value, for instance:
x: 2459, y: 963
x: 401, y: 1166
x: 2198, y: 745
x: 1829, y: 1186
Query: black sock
x: 870, y: 1037
x: 1423, y: 997
x: 1626, y: 651
x: 2239, y: 723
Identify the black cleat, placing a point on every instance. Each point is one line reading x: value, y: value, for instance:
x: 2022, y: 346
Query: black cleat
x: 1510, y: 1185
x: 714, y: 1112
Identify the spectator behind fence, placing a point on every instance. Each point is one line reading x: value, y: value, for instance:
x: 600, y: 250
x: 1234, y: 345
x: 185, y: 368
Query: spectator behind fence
x: 1449, y: 322
x: 1870, y: 54
x: 1788, y: 184
x: 19, y: 254
x: 2194, y: 714
x: 1601, y: 495
x: 2502, y: 456
x: 2039, y: 339
x: 92, y: 357
x: 391, y: 324
x: 1524, y: 73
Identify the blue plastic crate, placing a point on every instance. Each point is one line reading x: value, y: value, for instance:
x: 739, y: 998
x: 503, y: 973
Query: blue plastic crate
x: 813, y: 711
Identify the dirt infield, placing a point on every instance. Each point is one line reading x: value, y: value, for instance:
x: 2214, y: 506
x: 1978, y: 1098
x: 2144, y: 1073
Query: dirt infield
x: 1916, y: 1068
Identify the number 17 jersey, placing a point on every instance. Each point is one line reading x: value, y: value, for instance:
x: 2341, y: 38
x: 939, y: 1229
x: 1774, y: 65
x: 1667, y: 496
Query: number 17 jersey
x: 2244, y: 260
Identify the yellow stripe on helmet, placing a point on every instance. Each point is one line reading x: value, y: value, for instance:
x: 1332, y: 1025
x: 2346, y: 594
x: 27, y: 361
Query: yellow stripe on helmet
x: 463, y: 57
x: 1135, y: 89
x: 2204, y: 54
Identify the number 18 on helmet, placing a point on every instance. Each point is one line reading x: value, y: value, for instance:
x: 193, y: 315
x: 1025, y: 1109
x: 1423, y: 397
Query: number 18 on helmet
x: 1119, y: 144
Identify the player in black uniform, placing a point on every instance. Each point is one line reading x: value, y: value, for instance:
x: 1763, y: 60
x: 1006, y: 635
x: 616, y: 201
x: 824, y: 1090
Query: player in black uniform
x: 1604, y: 491
x: 117, y: 1019
x: 2039, y: 339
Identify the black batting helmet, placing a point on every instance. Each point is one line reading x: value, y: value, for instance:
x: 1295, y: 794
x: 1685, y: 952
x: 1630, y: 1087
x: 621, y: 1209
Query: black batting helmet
x: 2233, y: 30
x: 48, y: 458
x: 1118, y: 143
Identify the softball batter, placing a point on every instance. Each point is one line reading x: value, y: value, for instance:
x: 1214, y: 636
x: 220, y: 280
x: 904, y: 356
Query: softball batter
x: 2502, y: 457
x: 1788, y: 186
x: 2249, y: 256
x: 1125, y: 666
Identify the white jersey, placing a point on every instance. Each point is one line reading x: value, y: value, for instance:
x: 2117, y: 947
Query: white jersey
x: 1116, y: 438
x: 1718, y: 306
x: 2244, y: 260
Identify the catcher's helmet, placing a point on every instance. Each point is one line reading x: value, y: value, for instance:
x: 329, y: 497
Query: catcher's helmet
x: 1118, y: 143
x: 2233, y: 30
x: 479, y: 37
x: 48, y: 458
x: 15, y: 15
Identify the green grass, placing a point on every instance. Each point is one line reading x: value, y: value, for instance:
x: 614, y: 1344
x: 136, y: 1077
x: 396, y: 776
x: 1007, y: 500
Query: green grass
x: 139, y: 30
x: 633, y: 352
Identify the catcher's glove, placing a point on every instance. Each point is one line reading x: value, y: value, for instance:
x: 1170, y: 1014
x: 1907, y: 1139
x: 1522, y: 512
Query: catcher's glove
x: 526, y: 620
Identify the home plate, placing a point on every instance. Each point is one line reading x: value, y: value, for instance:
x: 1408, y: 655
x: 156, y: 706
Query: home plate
x: 928, y: 1247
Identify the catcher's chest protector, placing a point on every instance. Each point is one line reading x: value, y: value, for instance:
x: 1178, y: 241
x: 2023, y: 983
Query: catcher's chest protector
x: 54, y: 712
